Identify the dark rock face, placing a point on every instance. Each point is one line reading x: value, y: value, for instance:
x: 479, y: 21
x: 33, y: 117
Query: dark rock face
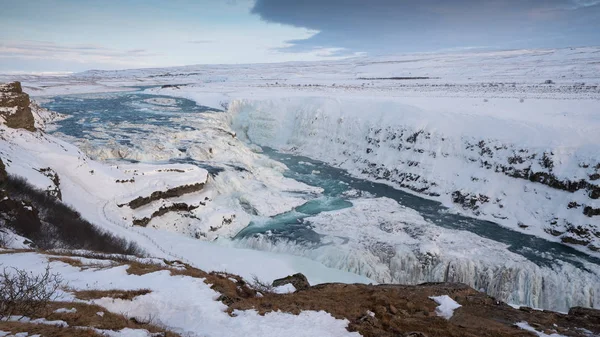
x: 176, y: 207
x: 14, y: 107
x: 3, y: 174
x: 170, y: 193
x: 299, y: 281
x: 586, y: 313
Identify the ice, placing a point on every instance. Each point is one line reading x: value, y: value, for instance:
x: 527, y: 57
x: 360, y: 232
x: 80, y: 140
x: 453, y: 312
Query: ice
x: 446, y: 306
x: 441, y: 159
x: 526, y: 326
x: 389, y: 243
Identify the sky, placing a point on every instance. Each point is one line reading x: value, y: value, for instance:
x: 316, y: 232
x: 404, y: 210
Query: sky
x: 78, y: 35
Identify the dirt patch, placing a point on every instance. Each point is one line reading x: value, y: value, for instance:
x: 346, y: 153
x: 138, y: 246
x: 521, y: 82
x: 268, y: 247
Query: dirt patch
x: 83, y: 315
x: 70, y: 261
x: 126, y: 295
x: 46, y: 330
x: 396, y: 310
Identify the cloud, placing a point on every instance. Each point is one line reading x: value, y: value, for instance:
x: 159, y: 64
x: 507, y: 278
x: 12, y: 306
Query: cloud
x: 201, y: 41
x: 28, y: 54
x: 385, y: 26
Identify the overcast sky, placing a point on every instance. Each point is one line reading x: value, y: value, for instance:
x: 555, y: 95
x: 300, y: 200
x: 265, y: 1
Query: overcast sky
x: 76, y: 35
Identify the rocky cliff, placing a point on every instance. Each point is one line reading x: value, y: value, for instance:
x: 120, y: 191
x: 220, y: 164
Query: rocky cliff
x: 14, y: 107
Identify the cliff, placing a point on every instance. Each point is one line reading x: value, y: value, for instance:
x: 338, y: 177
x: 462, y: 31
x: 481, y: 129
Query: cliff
x: 14, y: 107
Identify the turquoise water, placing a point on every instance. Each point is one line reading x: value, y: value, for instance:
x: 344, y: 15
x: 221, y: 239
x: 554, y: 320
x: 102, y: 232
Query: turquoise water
x: 130, y: 112
x: 130, y: 108
x: 336, y: 181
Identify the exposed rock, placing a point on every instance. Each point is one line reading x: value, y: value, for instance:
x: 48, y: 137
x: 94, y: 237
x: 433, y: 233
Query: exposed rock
x: 298, y: 280
x: 14, y: 107
x: 176, y: 207
x: 3, y: 174
x: 574, y: 241
x: 170, y: 193
x: 587, y: 313
x: 590, y: 211
x: 468, y: 201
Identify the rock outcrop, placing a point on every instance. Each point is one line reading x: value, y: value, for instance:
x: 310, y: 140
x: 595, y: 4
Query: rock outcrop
x: 299, y: 281
x: 170, y: 193
x: 14, y: 107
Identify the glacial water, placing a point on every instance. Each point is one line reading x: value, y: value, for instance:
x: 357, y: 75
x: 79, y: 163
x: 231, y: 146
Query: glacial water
x: 117, y: 116
x: 335, y: 182
x: 120, y: 114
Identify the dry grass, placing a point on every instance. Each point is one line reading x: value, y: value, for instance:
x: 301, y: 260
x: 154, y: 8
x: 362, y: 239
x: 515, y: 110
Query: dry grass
x: 137, y: 268
x: 16, y: 251
x: 86, y: 316
x: 126, y: 295
x: 397, y: 310
x: 46, y: 330
x: 70, y: 261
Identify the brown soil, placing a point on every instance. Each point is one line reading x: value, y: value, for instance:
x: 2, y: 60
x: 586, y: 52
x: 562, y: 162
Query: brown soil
x: 126, y: 295
x: 46, y: 330
x: 401, y: 310
x: 86, y: 316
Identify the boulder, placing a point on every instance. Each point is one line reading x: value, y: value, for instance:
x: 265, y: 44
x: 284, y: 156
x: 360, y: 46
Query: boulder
x: 299, y: 281
x: 587, y: 313
x: 14, y: 107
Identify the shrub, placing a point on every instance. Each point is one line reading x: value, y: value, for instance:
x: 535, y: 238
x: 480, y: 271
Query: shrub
x: 25, y: 294
x: 57, y: 225
x: 261, y: 286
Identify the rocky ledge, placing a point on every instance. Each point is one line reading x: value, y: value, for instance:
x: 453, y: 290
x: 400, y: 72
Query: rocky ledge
x: 14, y: 107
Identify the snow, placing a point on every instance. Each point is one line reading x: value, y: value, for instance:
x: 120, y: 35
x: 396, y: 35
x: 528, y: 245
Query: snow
x: 184, y: 304
x: 444, y: 158
x: 11, y: 240
x: 65, y: 311
x: 391, y: 243
x: 284, y: 289
x: 57, y: 323
x: 446, y: 306
x: 329, y: 111
x: 526, y: 326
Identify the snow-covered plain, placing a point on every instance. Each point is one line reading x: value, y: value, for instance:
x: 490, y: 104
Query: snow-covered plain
x: 469, y: 133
